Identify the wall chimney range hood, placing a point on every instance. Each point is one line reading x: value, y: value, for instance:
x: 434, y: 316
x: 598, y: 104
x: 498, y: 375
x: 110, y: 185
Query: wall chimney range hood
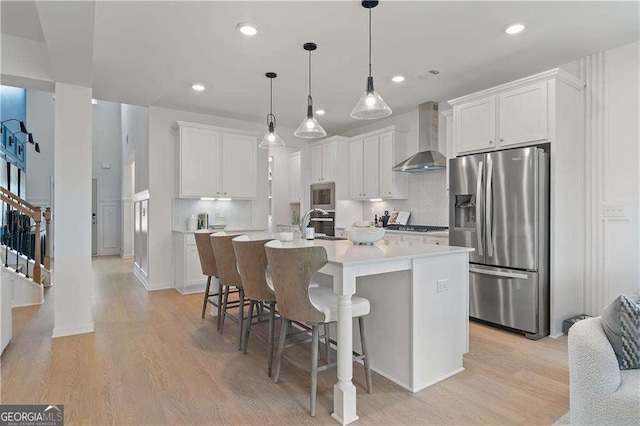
x: 428, y: 157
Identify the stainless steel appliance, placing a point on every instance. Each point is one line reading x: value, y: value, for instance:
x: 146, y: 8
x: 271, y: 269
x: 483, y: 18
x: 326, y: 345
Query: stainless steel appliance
x: 324, y: 224
x: 323, y: 196
x: 499, y: 205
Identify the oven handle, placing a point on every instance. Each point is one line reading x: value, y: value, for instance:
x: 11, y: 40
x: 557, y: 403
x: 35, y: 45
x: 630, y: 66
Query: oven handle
x: 321, y: 219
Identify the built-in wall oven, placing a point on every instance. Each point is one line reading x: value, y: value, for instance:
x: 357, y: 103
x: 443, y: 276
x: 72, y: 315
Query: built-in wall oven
x: 323, y: 196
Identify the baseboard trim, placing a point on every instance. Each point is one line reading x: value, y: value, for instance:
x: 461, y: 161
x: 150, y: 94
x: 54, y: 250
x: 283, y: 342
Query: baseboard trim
x: 126, y: 256
x: 191, y: 290
x: 28, y: 304
x: 72, y: 330
x: 140, y: 275
x: 557, y: 336
x: 439, y: 379
x: 160, y: 286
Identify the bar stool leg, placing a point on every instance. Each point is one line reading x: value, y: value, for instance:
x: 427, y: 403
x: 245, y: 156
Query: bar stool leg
x: 219, y: 302
x: 363, y: 341
x: 247, y: 328
x: 314, y: 367
x: 272, y: 320
x: 223, y: 312
x: 283, y: 336
x: 327, y: 343
x: 240, y: 316
x: 206, y: 297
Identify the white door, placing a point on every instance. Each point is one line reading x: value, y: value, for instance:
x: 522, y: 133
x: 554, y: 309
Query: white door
x: 329, y: 152
x: 475, y: 125
x: 356, y: 171
x: 316, y: 164
x: 94, y: 217
x: 295, y: 189
x: 238, y: 166
x: 387, y: 185
x: 523, y: 115
x: 200, y: 152
x: 371, y: 167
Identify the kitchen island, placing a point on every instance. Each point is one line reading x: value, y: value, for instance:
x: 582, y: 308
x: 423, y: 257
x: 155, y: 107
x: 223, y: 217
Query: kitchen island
x: 418, y: 327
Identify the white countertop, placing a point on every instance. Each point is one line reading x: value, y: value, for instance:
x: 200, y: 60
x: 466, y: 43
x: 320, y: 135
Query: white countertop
x: 228, y: 230
x: 346, y: 253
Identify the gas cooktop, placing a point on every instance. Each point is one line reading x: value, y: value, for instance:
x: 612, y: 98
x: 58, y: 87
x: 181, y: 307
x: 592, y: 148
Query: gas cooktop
x: 417, y: 228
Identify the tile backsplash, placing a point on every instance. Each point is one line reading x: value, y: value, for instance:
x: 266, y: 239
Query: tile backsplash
x: 428, y: 200
x: 237, y: 213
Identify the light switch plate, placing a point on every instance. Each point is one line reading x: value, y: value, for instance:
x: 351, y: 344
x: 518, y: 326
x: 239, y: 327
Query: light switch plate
x: 615, y: 211
x: 442, y: 285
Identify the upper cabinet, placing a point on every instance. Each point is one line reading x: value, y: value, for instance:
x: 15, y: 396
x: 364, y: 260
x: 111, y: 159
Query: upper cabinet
x: 519, y: 113
x: 295, y: 181
x: 476, y: 125
x: 372, y: 157
x: 325, y: 158
x: 215, y: 162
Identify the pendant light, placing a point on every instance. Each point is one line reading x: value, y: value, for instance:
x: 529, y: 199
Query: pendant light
x: 271, y: 139
x: 310, y: 128
x: 371, y: 105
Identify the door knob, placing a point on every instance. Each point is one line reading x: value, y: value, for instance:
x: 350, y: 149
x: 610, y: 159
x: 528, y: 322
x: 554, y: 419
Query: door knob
x: 491, y: 141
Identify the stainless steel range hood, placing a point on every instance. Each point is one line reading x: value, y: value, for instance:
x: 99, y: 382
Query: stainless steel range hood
x: 428, y: 157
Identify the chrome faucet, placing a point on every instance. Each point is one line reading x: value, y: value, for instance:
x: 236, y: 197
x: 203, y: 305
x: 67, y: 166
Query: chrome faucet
x: 305, y: 219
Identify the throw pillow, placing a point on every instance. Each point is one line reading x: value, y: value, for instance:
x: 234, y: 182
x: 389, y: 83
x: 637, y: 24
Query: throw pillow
x: 630, y: 327
x: 611, y: 322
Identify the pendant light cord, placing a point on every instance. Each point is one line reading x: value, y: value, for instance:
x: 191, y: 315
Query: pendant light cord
x: 309, y: 100
x: 369, y: 42
x: 271, y: 96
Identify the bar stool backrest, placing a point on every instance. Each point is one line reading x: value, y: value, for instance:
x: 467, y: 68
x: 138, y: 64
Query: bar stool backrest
x: 252, y: 265
x: 226, y: 259
x: 292, y: 269
x: 205, y: 253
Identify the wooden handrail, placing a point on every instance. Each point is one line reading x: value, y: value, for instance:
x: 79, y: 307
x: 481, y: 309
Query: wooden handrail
x: 36, y: 214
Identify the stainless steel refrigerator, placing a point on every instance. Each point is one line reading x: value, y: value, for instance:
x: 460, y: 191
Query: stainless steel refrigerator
x: 499, y: 205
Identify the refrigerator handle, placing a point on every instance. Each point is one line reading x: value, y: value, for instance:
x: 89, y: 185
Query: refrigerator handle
x: 499, y: 273
x: 479, y: 208
x: 488, y: 202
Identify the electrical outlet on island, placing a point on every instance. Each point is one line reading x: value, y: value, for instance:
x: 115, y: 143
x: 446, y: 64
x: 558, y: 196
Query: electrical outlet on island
x: 442, y: 285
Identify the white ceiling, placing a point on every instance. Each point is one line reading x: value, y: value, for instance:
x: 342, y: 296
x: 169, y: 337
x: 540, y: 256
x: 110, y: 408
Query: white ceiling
x: 149, y: 53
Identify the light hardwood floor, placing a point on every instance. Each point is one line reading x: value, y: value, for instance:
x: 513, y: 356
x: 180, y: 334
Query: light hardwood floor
x: 152, y: 360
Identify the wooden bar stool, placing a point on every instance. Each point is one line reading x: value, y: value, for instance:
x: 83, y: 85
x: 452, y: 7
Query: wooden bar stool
x: 208, y: 266
x: 252, y: 266
x: 292, y: 269
x: 226, y: 264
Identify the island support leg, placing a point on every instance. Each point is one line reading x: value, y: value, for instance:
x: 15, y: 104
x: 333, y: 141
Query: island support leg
x: 344, y: 392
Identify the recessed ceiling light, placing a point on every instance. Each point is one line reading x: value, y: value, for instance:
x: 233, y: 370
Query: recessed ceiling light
x: 514, y: 29
x: 320, y: 111
x: 398, y: 79
x: 247, y: 29
x: 197, y: 87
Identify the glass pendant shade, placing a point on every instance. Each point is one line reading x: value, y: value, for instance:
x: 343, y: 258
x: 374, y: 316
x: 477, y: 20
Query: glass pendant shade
x: 310, y: 128
x: 371, y: 105
x: 271, y: 139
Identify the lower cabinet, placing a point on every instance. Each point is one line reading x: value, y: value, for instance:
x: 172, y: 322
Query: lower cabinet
x: 188, y: 273
x: 397, y: 237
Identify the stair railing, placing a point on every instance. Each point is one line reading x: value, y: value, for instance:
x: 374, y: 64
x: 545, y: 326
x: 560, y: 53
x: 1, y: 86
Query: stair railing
x: 36, y: 214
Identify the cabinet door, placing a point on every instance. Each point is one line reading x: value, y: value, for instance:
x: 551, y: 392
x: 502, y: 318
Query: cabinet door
x: 476, y: 125
x: 316, y: 164
x: 371, y: 167
x: 295, y: 189
x: 200, y: 157
x: 413, y: 239
x: 193, y: 271
x: 523, y: 115
x: 392, y: 238
x: 387, y: 183
x: 238, y: 166
x: 356, y: 171
x: 329, y: 152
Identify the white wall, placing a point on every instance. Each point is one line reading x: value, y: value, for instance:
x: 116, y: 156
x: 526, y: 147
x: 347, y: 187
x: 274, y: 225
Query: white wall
x: 612, y: 172
x: 135, y: 142
x: 40, y: 166
x: 73, y: 274
x: 107, y: 148
x: 162, y: 142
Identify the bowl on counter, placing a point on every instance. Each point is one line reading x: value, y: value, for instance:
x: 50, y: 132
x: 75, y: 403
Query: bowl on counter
x: 362, y: 235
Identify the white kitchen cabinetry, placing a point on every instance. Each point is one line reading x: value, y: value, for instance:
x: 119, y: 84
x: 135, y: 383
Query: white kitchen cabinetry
x: 520, y: 113
x: 476, y: 125
x: 416, y: 239
x: 439, y: 238
x: 523, y: 115
x: 324, y: 160
x: 295, y: 185
x: 372, y: 157
x: 215, y: 162
x: 449, y: 138
x: 188, y: 274
x: 392, y: 238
